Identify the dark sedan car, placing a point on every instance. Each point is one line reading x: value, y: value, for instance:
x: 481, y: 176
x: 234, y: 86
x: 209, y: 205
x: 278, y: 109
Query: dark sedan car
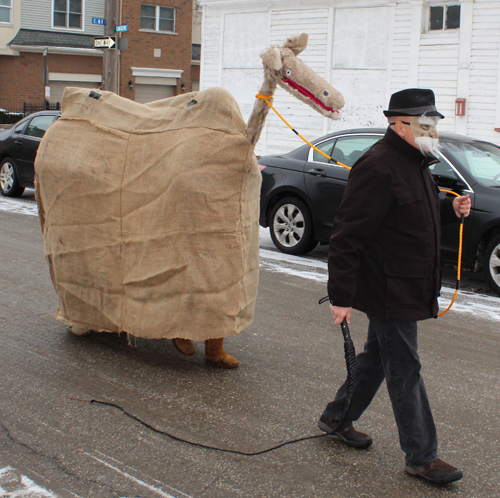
x: 18, y: 147
x: 302, y: 190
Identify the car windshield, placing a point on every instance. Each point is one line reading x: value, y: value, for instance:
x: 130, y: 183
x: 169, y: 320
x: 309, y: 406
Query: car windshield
x: 480, y: 159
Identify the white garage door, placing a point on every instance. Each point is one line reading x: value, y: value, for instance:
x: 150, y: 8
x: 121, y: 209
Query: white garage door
x: 150, y: 93
x: 57, y: 88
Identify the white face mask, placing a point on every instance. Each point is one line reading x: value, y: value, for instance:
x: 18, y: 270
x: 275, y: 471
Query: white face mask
x: 425, y: 133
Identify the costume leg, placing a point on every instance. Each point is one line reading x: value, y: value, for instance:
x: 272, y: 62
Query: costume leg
x: 369, y: 376
x: 401, y: 363
x: 215, y: 353
x: 185, y: 346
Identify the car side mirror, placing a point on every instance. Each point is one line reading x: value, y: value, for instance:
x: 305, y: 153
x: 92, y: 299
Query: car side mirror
x: 449, y: 182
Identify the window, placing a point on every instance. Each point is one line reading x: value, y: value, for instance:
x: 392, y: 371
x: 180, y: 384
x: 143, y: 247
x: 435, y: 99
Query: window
x: 68, y: 14
x: 481, y: 160
x: 346, y: 150
x: 349, y: 149
x: 157, y: 18
x: 19, y: 128
x: 6, y: 11
x: 39, y: 126
x: 325, y: 147
x: 444, y: 17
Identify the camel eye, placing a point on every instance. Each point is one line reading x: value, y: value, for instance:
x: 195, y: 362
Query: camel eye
x: 288, y: 72
x: 325, y: 93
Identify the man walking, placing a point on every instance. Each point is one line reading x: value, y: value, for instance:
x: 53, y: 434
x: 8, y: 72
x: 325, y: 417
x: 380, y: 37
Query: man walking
x: 384, y: 260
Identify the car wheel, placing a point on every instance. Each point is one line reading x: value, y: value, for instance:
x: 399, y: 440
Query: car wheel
x: 291, y: 227
x: 491, y: 264
x: 9, y: 183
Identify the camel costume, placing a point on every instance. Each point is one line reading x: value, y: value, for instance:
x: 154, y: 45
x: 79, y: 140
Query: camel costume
x: 150, y: 211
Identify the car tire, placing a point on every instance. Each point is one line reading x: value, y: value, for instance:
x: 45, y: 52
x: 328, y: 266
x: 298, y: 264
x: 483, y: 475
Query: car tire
x: 9, y: 183
x: 491, y: 264
x: 291, y: 226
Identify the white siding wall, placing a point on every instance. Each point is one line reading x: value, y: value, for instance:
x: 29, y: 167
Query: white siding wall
x: 360, y: 65
x: 367, y: 51
x: 438, y: 69
x: 211, y: 48
x: 399, y: 77
x: 37, y: 14
x: 484, y: 97
x: 242, y: 72
x: 303, y: 118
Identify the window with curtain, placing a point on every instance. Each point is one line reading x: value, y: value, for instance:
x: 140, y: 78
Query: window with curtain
x: 157, y: 18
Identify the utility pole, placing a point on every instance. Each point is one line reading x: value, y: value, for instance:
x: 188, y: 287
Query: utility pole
x: 46, y: 88
x: 110, y: 60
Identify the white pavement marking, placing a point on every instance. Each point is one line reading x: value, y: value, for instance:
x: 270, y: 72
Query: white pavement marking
x: 18, y: 206
x: 15, y: 485
x: 158, y: 491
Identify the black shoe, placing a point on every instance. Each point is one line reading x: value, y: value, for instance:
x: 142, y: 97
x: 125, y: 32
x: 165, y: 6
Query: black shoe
x: 437, y: 471
x: 349, y: 435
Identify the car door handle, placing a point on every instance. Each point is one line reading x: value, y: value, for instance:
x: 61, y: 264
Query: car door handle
x: 18, y: 142
x: 317, y: 172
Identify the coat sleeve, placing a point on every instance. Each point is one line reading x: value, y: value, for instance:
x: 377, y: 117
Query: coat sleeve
x: 366, y: 201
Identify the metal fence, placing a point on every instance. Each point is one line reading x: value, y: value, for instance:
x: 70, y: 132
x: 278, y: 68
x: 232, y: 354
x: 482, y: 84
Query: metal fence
x: 11, y: 115
x: 31, y: 108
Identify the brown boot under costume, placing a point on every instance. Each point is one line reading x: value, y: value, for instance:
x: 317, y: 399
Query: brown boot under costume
x: 185, y: 346
x: 214, y: 353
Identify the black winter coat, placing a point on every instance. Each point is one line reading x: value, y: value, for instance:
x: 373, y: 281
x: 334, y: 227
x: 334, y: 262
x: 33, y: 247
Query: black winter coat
x: 384, y: 254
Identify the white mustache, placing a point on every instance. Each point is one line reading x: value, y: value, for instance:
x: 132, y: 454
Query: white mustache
x: 428, y: 144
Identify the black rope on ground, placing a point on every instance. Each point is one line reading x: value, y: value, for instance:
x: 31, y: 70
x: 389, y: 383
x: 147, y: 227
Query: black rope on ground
x: 350, y: 357
x: 192, y: 443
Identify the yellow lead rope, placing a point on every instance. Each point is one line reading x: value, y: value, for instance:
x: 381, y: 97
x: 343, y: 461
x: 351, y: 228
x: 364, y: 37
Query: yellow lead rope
x: 267, y: 99
x: 461, y: 238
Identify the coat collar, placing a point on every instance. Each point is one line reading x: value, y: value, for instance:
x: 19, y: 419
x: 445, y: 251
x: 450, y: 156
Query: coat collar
x: 408, y: 150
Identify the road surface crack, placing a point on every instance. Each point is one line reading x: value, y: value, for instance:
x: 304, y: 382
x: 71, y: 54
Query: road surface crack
x: 57, y: 462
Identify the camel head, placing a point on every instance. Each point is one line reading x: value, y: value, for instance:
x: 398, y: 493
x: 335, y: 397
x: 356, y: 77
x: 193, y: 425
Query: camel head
x: 282, y: 64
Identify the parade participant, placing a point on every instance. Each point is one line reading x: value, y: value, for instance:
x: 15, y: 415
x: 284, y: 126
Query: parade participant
x: 384, y: 260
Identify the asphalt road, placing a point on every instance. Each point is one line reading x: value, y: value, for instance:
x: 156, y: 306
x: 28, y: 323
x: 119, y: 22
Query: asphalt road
x: 53, y: 445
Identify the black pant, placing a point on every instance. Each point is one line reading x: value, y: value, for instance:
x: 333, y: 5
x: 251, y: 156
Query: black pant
x: 390, y: 352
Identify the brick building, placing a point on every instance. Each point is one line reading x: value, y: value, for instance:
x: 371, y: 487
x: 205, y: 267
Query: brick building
x: 58, y: 35
x: 157, y: 63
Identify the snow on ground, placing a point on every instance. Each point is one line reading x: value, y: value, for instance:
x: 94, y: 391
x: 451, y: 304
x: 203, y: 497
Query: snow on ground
x: 15, y: 485
x: 18, y: 206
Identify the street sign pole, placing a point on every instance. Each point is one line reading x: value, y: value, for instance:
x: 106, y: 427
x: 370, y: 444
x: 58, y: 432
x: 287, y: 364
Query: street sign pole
x: 110, y: 59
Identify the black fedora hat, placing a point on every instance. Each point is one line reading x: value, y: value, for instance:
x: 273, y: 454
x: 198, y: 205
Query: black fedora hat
x: 413, y: 102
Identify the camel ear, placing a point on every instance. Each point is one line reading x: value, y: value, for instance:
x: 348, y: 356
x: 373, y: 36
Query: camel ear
x: 272, y: 58
x: 297, y: 43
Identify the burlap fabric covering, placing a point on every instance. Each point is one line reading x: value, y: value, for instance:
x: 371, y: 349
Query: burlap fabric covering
x: 150, y: 214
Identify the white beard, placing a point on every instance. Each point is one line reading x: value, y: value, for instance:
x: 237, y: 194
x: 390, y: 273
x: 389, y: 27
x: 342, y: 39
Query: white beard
x: 428, y: 145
